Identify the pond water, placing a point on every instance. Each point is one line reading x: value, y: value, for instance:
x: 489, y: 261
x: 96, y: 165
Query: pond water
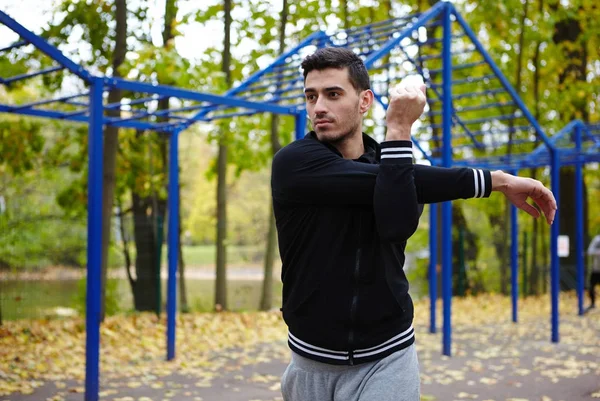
x: 22, y: 299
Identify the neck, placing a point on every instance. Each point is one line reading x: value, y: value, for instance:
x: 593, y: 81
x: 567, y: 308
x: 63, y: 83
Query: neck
x: 351, y: 147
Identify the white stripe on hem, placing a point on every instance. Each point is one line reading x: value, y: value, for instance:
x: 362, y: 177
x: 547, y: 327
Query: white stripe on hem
x: 405, y: 332
x: 402, y: 149
x: 399, y: 339
x: 309, y: 351
x: 299, y: 341
x: 363, y: 355
x: 397, y: 156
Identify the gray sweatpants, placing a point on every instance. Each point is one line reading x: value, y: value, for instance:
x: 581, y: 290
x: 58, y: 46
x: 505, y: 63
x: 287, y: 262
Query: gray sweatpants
x: 394, y: 378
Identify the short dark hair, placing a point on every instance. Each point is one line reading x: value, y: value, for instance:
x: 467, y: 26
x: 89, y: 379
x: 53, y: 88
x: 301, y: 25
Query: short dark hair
x: 339, y: 57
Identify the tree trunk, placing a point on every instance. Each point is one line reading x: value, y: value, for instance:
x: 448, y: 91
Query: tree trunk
x: 535, y: 276
x: 221, y: 273
x: 145, y: 290
x: 183, y: 300
x: 111, y: 144
x: 266, y: 300
x: 568, y: 32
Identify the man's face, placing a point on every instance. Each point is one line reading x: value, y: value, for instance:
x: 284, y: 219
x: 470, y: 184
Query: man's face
x: 333, y: 105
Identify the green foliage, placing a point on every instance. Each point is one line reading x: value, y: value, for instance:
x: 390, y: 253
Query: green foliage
x: 20, y: 144
x: 113, y: 304
x: 35, y: 232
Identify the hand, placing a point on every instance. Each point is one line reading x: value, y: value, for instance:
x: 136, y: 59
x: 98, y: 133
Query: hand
x: 518, y: 189
x: 405, y: 107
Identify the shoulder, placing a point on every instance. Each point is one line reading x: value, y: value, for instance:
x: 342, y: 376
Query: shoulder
x: 300, y: 150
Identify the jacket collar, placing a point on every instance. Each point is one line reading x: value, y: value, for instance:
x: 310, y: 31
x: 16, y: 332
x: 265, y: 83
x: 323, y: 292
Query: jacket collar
x: 372, y: 148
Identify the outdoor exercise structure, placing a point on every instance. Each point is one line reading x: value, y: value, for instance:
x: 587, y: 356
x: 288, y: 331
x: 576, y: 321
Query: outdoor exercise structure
x: 437, y: 45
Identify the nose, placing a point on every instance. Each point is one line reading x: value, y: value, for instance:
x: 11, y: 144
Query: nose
x: 320, y: 107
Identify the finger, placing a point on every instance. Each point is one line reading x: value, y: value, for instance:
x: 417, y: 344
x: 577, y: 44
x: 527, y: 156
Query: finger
x: 547, y: 208
x: 527, y: 208
x: 423, y: 89
x: 547, y: 203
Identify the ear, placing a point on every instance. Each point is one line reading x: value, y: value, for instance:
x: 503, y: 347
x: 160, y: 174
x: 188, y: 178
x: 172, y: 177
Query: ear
x: 366, y: 100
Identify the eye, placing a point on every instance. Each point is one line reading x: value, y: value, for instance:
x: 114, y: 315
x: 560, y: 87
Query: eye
x: 334, y: 94
x: 311, y: 97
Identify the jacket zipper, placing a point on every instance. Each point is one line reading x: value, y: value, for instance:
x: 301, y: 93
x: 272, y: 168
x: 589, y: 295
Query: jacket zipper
x: 353, y: 306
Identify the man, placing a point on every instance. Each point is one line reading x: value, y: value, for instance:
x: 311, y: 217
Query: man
x: 594, y: 252
x: 344, y: 207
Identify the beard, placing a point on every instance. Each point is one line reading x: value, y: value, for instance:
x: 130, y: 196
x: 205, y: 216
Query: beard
x: 336, y: 137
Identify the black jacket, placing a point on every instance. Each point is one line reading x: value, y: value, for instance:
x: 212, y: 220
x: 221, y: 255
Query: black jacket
x: 342, y: 227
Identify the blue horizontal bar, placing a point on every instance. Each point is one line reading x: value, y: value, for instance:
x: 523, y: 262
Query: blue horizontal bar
x: 432, y: 13
x: 371, y: 39
x: 485, y: 147
x: 456, y: 67
x: 300, y: 78
x: 76, y: 103
x: 492, y: 118
x: 197, y: 96
x: 469, y: 80
x: 230, y: 115
x: 14, y: 46
x: 475, y: 94
x: 492, y: 131
x: 56, y: 115
x: 379, y: 23
x: 278, y: 77
x: 439, y: 56
x: 439, y: 40
x: 23, y: 77
x: 514, y: 95
x: 45, y: 47
x: 47, y: 101
x: 133, y: 102
x: 275, y: 94
x: 475, y: 108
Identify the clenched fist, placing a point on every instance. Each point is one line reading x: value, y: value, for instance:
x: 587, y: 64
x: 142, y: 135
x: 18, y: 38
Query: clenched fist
x: 405, y: 107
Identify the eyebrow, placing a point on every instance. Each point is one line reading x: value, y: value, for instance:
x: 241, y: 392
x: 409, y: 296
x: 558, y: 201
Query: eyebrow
x: 328, y: 89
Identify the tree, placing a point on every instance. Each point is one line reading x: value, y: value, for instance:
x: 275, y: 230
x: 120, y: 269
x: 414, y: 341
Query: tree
x: 266, y: 300
x: 111, y: 143
x: 221, y: 258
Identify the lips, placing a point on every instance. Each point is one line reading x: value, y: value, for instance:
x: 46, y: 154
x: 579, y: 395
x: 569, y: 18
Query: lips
x: 321, y: 122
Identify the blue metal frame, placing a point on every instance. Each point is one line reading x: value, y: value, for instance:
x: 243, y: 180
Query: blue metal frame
x: 433, y: 257
x: 173, y: 241
x: 447, y: 162
x: 376, y: 41
x: 514, y: 256
x: 94, y: 242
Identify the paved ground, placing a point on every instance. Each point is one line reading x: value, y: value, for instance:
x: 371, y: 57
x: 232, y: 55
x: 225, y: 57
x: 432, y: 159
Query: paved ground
x: 492, y: 363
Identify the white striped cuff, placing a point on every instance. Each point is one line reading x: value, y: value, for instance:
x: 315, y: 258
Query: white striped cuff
x: 479, y: 179
x: 402, y: 150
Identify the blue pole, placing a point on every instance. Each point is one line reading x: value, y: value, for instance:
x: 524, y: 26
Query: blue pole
x: 432, y: 266
x: 94, y: 241
x: 300, y: 124
x: 514, y: 255
x: 173, y: 242
x: 447, y: 162
x: 579, y: 205
x: 554, y: 261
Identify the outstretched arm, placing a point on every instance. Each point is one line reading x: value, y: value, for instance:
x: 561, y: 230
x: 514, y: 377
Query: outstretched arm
x: 519, y: 189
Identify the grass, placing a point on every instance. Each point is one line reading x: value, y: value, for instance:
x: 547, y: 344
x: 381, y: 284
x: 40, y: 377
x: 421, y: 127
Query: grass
x: 204, y: 255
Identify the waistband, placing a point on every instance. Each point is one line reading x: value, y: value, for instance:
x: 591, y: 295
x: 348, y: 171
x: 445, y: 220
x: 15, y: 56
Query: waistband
x: 352, y: 357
